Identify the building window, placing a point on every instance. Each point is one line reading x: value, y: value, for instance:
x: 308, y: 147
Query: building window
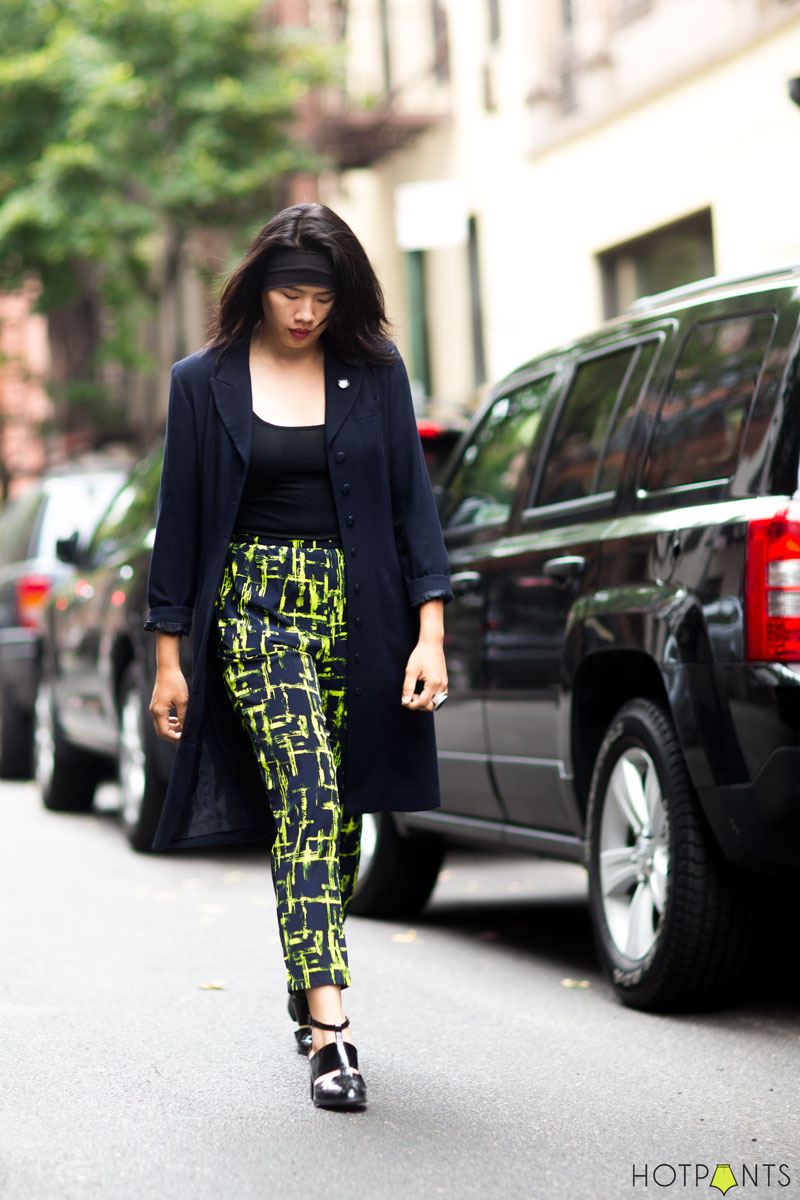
x: 386, y: 44
x: 669, y: 257
x: 441, y: 42
x: 629, y: 10
x: 567, y: 95
x: 487, y: 88
x: 420, y: 364
x: 476, y: 304
x: 494, y: 21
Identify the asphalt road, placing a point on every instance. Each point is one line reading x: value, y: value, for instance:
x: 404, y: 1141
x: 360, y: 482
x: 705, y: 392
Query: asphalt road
x: 125, y: 1076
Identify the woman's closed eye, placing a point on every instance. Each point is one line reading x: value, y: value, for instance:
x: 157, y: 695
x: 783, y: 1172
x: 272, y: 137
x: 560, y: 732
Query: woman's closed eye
x: 318, y: 299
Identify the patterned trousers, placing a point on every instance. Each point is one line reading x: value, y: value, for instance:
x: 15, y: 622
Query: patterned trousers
x: 282, y: 640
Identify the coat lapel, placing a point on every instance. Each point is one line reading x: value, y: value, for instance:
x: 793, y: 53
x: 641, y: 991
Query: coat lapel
x: 343, y: 383
x: 234, y: 399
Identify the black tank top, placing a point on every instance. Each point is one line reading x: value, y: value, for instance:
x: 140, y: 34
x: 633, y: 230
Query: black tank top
x: 287, y: 492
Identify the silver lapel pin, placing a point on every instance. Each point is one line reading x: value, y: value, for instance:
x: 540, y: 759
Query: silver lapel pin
x: 344, y: 383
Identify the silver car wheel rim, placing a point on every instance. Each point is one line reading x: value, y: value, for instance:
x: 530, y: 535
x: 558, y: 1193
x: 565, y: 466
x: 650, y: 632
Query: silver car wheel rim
x: 131, y: 760
x: 634, y: 854
x: 44, y: 748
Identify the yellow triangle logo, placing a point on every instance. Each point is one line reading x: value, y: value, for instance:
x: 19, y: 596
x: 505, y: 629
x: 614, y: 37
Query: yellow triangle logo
x: 724, y: 1178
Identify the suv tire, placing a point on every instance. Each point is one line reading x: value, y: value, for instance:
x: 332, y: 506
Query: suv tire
x: 142, y: 791
x: 396, y: 874
x: 66, y: 775
x: 16, y: 739
x: 671, y: 927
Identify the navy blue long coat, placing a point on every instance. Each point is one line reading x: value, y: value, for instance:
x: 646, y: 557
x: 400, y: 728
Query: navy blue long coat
x: 395, y: 560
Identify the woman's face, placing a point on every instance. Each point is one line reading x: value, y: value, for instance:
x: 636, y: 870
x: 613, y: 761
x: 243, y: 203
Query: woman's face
x: 296, y: 316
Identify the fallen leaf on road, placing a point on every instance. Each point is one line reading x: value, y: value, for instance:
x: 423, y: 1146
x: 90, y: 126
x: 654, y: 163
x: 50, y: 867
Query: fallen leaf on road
x: 411, y: 936
x: 214, y: 986
x: 576, y: 983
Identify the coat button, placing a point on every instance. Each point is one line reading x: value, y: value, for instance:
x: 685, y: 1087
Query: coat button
x: 340, y: 457
x: 353, y: 551
x: 357, y: 658
x: 345, y: 489
x: 358, y: 622
x: 350, y: 521
x: 356, y: 587
x: 358, y: 691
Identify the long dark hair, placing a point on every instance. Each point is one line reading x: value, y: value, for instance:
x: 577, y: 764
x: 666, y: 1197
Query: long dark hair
x: 357, y: 331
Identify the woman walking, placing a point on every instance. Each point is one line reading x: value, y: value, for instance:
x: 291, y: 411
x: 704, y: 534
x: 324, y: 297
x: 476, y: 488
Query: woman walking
x: 297, y: 531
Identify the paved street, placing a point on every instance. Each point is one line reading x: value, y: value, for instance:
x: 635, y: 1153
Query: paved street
x: 126, y: 1076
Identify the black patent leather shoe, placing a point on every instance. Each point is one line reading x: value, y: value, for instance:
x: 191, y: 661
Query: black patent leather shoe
x: 298, y: 1011
x: 345, y: 1089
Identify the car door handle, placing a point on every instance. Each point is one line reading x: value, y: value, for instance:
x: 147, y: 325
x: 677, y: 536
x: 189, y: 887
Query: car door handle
x: 570, y: 566
x: 465, y: 581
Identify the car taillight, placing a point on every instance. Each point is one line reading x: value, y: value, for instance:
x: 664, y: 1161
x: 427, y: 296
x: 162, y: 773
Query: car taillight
x: 430, y: 429
x: 772, y: 587
x: 32, y: 591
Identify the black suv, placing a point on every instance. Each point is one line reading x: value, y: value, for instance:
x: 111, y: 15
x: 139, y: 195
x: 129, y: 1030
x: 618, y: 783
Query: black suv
x: 623, y: 522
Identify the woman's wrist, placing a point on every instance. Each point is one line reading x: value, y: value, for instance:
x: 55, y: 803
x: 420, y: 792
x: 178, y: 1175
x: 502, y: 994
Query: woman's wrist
x: 168, y: 651
x: 431, y: 621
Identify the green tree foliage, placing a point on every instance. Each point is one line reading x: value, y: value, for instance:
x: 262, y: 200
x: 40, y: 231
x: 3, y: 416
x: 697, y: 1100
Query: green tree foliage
x: 127, y: 125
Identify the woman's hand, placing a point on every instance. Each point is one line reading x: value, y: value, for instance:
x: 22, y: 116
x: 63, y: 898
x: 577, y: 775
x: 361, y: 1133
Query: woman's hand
x: 170, y: 692
x: 426, y: 662
x: 168, y: 703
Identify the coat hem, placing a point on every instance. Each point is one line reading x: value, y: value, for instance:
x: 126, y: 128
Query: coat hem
x: 231, y: 837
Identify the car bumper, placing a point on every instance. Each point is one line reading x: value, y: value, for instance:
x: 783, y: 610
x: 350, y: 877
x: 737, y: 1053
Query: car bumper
x: 20, y: 659
x: 757, y: 824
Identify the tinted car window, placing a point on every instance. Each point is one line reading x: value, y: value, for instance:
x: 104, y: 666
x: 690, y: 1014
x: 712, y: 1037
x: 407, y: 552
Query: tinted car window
x: 485, y: 482
x: 16, y: 531
x: 582, y: 427
x: 702, y: 415
x: 622, y: 421
x: 132, y: 514
x: 74, y: 503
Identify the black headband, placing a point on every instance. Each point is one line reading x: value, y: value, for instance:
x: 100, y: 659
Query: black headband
x: 289, y: 266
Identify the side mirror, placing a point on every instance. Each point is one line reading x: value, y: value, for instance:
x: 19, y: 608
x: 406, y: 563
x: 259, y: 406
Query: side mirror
x: 67, y: 549
x: 440, y: 494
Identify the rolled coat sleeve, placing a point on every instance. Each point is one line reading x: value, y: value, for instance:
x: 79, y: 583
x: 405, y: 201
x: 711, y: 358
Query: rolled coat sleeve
x: 418, y: 534
x: 172, y: 583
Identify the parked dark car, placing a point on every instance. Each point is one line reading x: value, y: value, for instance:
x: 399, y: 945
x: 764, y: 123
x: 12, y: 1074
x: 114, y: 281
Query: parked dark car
x: 62, y: 504
x: 440, y: 429
x: 623, y: 521
x: 92, y: 720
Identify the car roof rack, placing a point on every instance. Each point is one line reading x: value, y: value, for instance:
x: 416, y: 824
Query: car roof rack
x: 713, y: 283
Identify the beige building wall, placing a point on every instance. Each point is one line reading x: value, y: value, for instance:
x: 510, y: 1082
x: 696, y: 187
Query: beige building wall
x: 571, y: 141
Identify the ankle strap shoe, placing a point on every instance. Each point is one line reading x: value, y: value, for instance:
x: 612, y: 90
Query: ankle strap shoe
x: 345, y: 1089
